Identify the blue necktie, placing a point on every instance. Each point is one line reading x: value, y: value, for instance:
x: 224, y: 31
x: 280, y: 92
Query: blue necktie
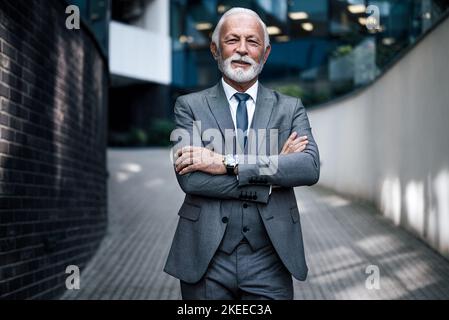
x: 242, y: 117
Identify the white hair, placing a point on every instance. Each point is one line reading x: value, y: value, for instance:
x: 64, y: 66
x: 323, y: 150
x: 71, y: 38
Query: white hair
x: 238, y: 10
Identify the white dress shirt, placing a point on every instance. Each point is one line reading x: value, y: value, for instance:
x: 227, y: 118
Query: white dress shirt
x: 233, y: 102
x: 250, y: 104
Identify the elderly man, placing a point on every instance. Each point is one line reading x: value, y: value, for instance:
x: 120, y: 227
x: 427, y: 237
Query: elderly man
x: 239, y: 232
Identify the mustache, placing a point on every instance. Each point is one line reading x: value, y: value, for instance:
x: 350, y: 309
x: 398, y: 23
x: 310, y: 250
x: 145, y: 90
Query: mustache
x: 238, y: 58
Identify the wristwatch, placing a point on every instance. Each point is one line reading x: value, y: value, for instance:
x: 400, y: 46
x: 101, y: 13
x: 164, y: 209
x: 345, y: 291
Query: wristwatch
x: 231, y: 162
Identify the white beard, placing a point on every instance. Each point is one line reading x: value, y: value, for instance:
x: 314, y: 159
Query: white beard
x: 239, y: 74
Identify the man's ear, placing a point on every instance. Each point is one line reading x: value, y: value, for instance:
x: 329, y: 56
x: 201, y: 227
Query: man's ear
x: 214, y: 50
x: 267, y: 53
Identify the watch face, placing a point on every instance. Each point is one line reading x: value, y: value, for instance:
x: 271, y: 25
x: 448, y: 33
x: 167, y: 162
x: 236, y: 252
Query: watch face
x: 230, y: 161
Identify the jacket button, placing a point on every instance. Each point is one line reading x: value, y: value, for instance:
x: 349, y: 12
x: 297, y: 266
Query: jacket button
x: 225, y: 219
x: 255, y: 197
x: 245, y: 229
x: 245, y: 205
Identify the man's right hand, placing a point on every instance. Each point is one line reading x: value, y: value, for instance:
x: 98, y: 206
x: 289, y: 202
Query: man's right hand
x: 294, y: 144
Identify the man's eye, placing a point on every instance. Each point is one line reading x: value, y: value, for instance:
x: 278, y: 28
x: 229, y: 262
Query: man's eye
x: 231, y: 41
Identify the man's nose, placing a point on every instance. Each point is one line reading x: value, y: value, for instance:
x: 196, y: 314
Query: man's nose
x: 241, y: 49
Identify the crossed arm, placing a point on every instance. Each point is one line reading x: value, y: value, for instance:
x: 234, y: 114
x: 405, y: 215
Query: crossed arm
x: 201, y: 172
x: 292, y: 169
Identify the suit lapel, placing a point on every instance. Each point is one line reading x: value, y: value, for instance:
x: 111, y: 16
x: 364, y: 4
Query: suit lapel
x: 262, y: 114
x: 219, y: 106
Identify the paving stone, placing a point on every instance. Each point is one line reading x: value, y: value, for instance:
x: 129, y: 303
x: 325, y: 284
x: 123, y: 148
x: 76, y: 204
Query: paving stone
x: 342, y: 238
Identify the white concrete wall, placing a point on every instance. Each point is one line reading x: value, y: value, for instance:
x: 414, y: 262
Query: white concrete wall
x: 156, y: 17
x: 390, y: 142
x: 140, y: 54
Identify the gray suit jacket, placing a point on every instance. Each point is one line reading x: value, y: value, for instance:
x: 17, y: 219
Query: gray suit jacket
x: 201, y: 225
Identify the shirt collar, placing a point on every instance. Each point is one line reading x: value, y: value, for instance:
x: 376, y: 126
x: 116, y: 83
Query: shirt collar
x: 230, y: 91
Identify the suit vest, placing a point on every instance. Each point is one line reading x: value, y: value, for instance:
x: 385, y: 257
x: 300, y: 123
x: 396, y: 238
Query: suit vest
x: 244, y: 223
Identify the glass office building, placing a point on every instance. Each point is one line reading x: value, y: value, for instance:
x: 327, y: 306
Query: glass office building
x: 321, y: 49
x: 96, y: 16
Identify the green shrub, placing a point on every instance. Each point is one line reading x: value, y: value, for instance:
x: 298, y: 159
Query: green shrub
x: 138, y: 137
x: 292, y: 90
x: 159, y: 132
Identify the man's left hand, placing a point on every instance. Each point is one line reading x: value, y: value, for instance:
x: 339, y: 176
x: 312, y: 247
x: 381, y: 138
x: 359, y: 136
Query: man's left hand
x: 192, y: 159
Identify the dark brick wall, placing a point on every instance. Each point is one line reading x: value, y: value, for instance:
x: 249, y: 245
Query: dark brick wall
x: 53, y: 122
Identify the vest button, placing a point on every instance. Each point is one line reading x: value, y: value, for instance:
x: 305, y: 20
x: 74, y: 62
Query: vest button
x: 245, y: 229
x: 245, y: 205
x: 225, y: 219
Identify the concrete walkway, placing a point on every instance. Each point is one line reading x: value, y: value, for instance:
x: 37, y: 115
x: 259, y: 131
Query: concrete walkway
x: 343, y: 240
